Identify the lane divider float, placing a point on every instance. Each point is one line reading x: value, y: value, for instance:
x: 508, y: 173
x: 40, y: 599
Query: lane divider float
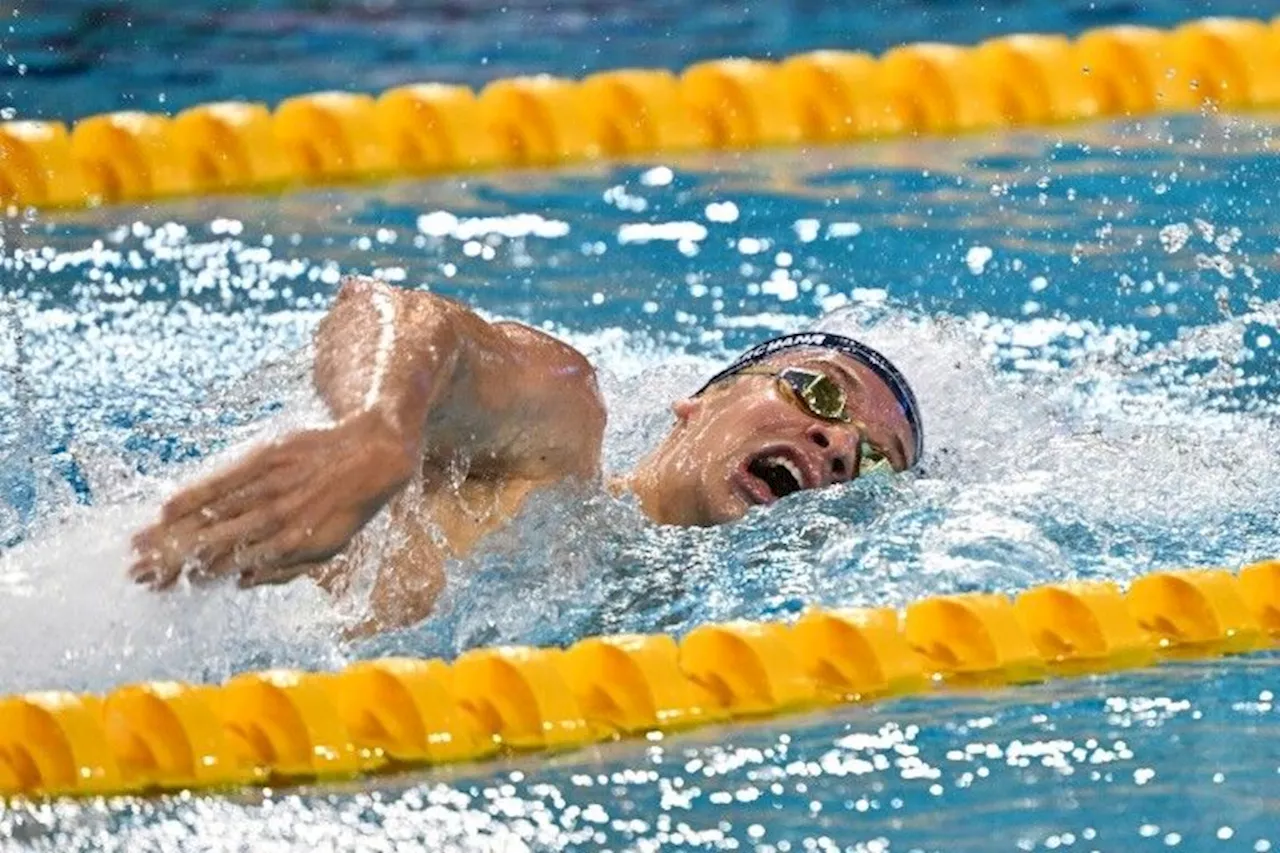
x: 281, y: 727
x: 823, y: 97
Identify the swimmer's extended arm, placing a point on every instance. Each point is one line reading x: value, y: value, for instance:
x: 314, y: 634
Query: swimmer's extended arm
x: 440, y: 381
x: 408, y: 376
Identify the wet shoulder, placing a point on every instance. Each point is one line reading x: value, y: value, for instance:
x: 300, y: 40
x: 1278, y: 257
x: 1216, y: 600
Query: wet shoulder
x: 544, y: 353
x: 562, y: 427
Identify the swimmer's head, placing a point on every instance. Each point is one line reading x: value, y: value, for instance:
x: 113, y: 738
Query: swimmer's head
x: 798, y: 412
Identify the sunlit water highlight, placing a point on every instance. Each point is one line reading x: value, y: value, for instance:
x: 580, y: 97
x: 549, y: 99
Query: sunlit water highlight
x: 1089, y: 320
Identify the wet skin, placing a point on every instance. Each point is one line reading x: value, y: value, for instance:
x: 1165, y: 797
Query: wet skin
x: 437, y: 412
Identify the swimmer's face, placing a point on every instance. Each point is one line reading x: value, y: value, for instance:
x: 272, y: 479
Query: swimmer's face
x: 748, y: 442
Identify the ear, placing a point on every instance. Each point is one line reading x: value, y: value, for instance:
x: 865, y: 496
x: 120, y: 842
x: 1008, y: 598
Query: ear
x: 685, y: 409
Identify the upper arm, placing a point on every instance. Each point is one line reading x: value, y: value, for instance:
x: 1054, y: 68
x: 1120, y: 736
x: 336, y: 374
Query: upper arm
x: 504, y: 393
x: 561, y: 393
x: 554, y: 356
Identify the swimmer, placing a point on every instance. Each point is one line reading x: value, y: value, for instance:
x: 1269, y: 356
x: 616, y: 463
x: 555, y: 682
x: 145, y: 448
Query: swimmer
x: 423, y: 391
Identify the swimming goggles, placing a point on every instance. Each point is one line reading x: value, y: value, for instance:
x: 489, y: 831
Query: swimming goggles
x: 873, y: 361
x: 819, y: 395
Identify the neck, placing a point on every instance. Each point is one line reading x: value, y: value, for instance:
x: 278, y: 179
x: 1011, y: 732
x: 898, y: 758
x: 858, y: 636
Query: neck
x: 643, y: 483
x: 651, y: 483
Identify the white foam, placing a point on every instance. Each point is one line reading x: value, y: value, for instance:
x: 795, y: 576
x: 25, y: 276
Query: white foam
x: 81, y: 624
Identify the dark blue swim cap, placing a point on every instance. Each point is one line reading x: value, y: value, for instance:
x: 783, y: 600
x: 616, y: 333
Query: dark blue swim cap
x: 856, y: 350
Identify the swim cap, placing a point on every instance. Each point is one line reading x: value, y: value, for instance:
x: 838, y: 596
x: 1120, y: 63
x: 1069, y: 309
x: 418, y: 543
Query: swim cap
x: 856, y: 350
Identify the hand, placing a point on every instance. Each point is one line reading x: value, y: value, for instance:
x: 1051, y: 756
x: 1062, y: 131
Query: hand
x: 276, y: 513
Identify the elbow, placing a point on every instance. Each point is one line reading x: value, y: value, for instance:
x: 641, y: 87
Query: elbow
x: 354, y: 287
x: 361, y: 288
x: 361, y: 300
x: 349, y: 308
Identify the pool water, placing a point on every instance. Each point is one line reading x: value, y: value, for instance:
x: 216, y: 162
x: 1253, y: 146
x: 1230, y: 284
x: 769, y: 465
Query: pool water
x: 1090, y: 315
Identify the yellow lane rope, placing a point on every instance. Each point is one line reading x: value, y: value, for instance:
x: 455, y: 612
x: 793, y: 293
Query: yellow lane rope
x: 824, y: 97
x: 285, y: 726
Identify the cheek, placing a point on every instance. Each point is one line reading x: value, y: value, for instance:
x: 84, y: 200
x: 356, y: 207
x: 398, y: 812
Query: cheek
x: 711, y: 456
x: 762, y: 422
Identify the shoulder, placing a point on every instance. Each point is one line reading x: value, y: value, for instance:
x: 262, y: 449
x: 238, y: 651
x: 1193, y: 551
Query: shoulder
x: 547, y: 350
x: 559, y: 383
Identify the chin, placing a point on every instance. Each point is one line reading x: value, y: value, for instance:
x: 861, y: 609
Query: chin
x: 716, y: 519
x: 722, y: 509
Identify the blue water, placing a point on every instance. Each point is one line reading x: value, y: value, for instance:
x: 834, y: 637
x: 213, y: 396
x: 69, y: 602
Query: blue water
x: 1090, y: 314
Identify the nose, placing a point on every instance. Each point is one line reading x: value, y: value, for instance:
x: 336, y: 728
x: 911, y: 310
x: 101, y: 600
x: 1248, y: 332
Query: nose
x: 838, y: 446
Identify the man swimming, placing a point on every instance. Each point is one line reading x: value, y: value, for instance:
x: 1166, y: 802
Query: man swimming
x: 423, y: 391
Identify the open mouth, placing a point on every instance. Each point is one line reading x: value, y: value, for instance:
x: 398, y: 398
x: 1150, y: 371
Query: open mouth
x: 778, y: 473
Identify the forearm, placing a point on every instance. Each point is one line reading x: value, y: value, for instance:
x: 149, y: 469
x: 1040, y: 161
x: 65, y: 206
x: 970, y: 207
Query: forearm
x: 392, y: 366
x: 387, y: 352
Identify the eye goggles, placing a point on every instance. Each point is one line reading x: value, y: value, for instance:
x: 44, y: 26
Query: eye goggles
x: 819, y: 395
x: 815, y: 392
x: 873, y: 361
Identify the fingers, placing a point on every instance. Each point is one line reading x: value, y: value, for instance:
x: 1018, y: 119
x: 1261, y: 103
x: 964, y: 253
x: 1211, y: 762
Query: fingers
x: 265, y: 472
x: 230, y: 497
x: 202, y: 524
x: 214, y: 489
x: 153, y: 571
x: 239, y: 544
x: 248, y: 553
x: 250, y: 520
x: 207, y: 516
x: 273, y: 546
x: 206, y: 553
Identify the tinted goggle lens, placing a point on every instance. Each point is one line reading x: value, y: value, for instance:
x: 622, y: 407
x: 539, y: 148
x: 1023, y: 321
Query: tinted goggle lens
x: 821, y: 395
